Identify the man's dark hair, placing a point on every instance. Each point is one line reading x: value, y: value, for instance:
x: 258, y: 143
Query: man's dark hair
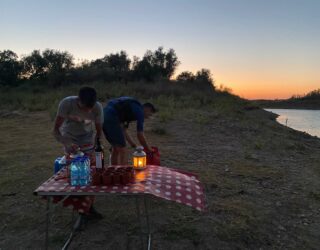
x: 88, y: 96
x: 150, y: 105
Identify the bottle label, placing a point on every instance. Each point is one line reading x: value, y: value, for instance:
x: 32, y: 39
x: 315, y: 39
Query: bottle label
x: 98, y: 160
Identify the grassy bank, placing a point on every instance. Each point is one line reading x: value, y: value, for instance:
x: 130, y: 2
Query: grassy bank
x: 168, y: 96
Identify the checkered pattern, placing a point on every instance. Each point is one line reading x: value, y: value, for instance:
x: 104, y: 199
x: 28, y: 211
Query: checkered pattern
x: 167, y: 183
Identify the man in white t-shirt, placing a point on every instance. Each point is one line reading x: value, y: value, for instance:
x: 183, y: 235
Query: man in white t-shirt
x: 77, y: 119
x: 78, y: 122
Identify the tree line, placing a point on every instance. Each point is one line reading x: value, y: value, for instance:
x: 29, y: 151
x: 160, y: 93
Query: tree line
x: 312, y: 95
x: 57, y: 68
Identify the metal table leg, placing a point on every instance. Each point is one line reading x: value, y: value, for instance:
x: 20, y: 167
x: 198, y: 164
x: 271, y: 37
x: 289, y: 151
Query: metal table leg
x: 147, y: 223
x: 140, y: 222
x: 49, y: 209
x: 47, y: 222
x: 73, y: 231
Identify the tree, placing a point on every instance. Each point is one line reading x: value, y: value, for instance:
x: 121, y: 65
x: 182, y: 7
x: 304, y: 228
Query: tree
x: 58, y: 61
x: 313, y: 95
x: 10, y: 68
x: 112, y: 67
x: 34, y: 66
x: 204, y: 77
x: 58, y: 64
x: 186, y: 76
x: 143, y: 69
x: 118, y: 62
x: 51, y: 65
x: 171, y: 63
x: 157, y: 64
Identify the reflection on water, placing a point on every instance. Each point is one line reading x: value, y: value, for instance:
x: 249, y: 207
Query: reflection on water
x: 302, y: 120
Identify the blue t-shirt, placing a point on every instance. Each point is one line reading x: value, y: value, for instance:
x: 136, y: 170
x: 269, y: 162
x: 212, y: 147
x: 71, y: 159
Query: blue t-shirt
x: 136, y: 107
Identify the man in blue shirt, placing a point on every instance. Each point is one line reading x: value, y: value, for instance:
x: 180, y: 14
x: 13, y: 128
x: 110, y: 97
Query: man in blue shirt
x: 118, y: 114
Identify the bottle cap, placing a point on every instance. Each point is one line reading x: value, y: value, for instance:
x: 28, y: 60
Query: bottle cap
x: 63, y: 160
x: 78, y: 154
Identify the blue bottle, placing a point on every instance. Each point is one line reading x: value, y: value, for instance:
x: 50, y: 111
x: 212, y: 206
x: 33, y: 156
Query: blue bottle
x: 74, y: 173
x: 88, y: 170
x: 82, y: 173
x: 57, y: 165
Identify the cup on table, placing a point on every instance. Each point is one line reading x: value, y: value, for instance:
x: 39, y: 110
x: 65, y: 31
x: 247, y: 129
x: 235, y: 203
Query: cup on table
x: 107, y: 178
x: 96, y: 178
x: 125, y: 177
x: 116, y: 178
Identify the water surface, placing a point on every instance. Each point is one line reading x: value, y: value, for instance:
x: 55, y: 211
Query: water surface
x: 303, y: 120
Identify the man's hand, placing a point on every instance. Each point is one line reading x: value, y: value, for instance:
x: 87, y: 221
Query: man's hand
x: 143, y: 141
x: 71, y: 148
x: 149, y: 150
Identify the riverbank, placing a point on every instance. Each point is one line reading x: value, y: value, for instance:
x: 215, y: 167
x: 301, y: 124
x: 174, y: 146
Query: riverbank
x: 261, y: 181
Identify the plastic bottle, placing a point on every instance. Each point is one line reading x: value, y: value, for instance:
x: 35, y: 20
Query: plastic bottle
x: 59, y: 163
x: 74, y: 173
x: 82, y: 172
x: 57, y: 166
x: 88, y: 169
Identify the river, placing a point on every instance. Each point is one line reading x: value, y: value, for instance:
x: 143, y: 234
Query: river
x: 303, y: 120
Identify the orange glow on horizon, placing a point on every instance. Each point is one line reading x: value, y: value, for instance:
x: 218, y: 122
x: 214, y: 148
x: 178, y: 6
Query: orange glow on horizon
x: 269, y: 90
x: 262, y: 85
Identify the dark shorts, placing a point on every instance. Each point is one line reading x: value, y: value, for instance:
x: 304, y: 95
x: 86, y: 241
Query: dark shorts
x: 113, y: 131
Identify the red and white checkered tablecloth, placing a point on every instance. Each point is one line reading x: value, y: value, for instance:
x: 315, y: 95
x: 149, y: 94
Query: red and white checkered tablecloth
x: 167, y: 183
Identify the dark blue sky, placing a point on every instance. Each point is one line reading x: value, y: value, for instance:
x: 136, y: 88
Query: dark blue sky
x: 255, y: 47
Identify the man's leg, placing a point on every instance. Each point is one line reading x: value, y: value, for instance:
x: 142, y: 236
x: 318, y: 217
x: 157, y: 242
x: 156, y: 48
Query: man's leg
x: 114, y: 134
x: 114, y: 155
x: 124, y: 156
x: 119, y: 155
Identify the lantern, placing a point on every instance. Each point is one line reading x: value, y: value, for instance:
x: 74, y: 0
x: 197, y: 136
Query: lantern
x: 139, y: 158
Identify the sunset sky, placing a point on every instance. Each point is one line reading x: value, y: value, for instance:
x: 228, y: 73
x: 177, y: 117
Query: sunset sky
x: 260, y: 49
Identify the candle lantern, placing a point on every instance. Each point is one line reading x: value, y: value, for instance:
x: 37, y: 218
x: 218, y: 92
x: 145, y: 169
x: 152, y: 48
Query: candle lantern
x: 139, y: 158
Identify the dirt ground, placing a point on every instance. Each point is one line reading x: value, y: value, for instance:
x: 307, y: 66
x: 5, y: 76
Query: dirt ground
x: 261, y: 181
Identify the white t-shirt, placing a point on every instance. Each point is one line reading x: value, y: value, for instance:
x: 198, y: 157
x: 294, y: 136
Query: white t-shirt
x: 79, y: 125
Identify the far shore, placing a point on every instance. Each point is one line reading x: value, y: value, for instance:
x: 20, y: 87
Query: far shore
x: 288, y: 104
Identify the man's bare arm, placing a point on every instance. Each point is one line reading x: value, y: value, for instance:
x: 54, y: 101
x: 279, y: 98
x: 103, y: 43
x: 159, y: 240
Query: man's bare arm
x: 56, y: 132
x: 69, y: 147
x: 128, y: 138
x: 98, y: 129
x: 143, y: 141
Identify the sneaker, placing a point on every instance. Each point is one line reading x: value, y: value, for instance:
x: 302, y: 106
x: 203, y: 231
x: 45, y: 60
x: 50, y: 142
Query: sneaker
x: 94, y: 214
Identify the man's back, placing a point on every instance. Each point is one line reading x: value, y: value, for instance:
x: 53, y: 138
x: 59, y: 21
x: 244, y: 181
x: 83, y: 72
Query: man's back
x: 127, y: 109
